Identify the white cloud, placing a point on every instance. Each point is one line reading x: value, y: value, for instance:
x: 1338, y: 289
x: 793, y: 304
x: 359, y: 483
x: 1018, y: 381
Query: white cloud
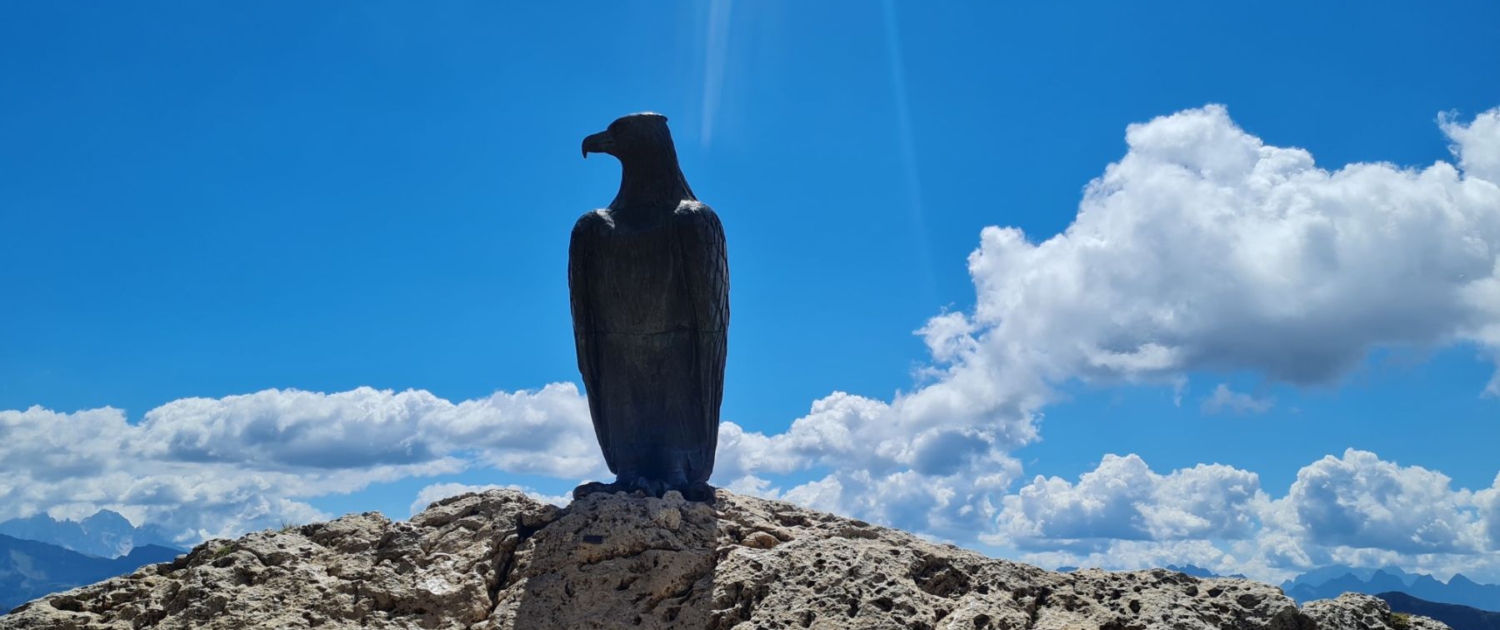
x: 1202, y: 249
x: 1357, y: 510
x: 1489, y: 505
x: 1475, y: 144
x: 435, y: 492
x: 546, y: 431
x: 751, y: 485
x: 1122, y: 499
x: 884, y: 464
x: 1130, y: 555
x: 1362, y: 501
x: 204, y: 467
x: 1225, y: 399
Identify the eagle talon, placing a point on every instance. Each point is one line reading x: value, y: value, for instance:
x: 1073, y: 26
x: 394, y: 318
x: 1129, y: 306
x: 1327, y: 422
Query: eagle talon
x: 593, y: 487
x: 701, y: 492
x: 650, y: 487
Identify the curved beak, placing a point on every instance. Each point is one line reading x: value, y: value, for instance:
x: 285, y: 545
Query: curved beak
x: 600, y: 142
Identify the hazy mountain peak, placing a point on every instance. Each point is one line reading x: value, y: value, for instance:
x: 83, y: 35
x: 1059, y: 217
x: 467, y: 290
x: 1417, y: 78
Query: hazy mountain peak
x: 1331, y: 581
x: 106, y: 534
x: 107, y: 518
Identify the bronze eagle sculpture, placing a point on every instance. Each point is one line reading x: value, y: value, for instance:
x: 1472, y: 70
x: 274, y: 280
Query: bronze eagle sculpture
x: 648, y: 279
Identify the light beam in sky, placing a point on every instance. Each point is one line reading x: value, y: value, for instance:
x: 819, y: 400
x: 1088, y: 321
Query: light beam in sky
x: 908, y: 148
x: 716, y: 55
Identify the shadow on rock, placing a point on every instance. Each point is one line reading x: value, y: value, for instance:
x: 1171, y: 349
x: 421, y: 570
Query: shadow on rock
x: 612, y: 561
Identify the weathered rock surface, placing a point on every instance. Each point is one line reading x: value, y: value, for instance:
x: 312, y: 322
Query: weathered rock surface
x: 1363, y: 612
x: 499, y: 560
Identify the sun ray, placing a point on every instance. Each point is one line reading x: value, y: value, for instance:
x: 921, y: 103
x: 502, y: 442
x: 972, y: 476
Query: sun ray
x: 716, y: 55
x: 904, y: 135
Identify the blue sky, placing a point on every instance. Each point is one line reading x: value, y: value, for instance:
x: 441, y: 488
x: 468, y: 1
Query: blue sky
x: 201, y: 202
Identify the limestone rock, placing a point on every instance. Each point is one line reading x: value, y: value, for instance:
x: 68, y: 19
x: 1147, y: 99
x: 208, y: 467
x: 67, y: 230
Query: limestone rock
x: 1363, y: 612
x: 501, y: 561
x: 437, y: 571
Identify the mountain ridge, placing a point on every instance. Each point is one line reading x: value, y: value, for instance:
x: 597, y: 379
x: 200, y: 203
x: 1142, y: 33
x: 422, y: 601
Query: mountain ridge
x: 1333, y: 580
x: 500, y: 560
x: 1456, y: 616
x: 105, y: 534
x: 30, y: 568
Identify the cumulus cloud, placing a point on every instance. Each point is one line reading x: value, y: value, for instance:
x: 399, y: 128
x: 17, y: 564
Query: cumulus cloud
x: 1361, y: 501
x: 206, y: 468
x: 1489, y: 505
x: 1129, y: 555
x: 1356, y: 510
x: 1225, y: 399
x: 1122, y: 499
x: 1474, y: 144
x: 435, y: 492
x: 883, y: 464
x: 1202, y: 249
x: 546, y: 431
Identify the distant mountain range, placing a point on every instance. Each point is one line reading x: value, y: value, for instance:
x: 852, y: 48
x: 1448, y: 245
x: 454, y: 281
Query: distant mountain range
x: 1456, y: 616
x: 106, y: 534
x: 1197, y: 571
x: 1419, y: 592
x: 1189, y: 569
x: 30, y: 569
x: 1330, y: 582
x: 41, y: 555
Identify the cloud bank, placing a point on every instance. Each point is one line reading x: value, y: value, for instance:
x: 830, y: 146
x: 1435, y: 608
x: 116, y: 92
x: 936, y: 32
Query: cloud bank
x: 218, y: 467
x: 1356, y: 509
x: 1202, y: 249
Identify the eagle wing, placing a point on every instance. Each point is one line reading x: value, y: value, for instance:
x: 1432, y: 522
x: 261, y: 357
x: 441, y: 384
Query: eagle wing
x: 588, y: 233
x: 706, y: 268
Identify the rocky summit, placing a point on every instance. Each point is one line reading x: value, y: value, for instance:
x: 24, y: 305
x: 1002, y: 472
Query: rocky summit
x: 501, y: 560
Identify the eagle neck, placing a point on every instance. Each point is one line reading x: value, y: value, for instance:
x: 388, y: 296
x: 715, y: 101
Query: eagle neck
x: 651, y: 186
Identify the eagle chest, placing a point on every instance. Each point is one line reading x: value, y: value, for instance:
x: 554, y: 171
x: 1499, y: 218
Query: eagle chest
x: 639, y: 280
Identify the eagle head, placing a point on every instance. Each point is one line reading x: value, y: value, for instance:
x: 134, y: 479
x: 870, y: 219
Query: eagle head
x: 632, y: 137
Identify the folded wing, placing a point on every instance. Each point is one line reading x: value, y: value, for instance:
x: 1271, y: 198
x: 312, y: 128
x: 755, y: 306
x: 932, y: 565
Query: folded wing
x: 587, y: 234
x: 706, y: 266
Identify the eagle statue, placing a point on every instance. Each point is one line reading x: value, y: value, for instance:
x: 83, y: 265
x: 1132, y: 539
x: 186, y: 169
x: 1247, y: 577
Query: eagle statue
x: 648, y: 279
